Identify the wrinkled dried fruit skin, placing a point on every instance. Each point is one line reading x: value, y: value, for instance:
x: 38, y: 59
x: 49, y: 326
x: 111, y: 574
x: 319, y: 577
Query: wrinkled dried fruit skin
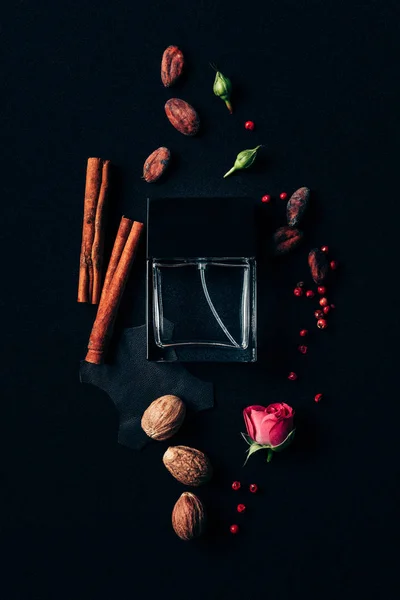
x: 156, y: 164
x: 286, y: 239
x: 182, y: 116
x: 297, y: 205
x: 188, y: 516
x: 171, y: 65
x: 188, y: 465
x: 319, y: 265
x: 164, y: 417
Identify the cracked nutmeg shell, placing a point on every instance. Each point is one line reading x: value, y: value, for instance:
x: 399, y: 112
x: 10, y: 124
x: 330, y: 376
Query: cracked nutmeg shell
x: 156, y: 164
x: 162, y: 419
x: 188, y: 465
x: 172, y: 64
x: 188, y: 516
x: 297, y: 205
x: 182, y: 116
x: 286, y: 239
x: 318, y: 264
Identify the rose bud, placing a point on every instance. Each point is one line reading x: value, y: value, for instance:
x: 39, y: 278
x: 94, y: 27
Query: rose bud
x: 222, y: 88
x: 244, y: 160
x: 269, y: 427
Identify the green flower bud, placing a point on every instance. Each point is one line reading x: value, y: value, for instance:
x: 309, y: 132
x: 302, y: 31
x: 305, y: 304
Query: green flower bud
x: 244, y: 160
x: 222, y: 88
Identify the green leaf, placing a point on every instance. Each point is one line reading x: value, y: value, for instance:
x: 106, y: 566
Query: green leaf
x: 253, y: 448
x: 247, y: 439
x: 285, y: 442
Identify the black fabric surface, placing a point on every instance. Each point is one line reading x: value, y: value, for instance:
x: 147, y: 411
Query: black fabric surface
x: 83, y: 516
x: 133, y: 382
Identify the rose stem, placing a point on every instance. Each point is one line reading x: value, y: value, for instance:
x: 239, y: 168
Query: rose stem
x: 99, y: 227
x: 112, y: 293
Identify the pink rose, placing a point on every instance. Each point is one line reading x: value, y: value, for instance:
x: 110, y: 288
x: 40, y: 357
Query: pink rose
x: 269, y: 426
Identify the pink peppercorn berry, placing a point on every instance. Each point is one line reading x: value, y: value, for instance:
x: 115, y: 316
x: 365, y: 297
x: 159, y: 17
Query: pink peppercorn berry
x: 249, y: 125
x: 298, y: 292
x: 303, y: 349
x: 283, y: 196
x: 292, y: 376
x: 241, y: 508
x: 318, y: 397
x: 236, y: 485
x: 266, y: 199
x: 310, y: 294
x: 253, y: 488
x: 303, y: 332
x: 234, y: 529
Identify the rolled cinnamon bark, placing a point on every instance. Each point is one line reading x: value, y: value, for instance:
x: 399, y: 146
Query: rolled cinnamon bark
x: 91, y: 257
x: 122, y: 256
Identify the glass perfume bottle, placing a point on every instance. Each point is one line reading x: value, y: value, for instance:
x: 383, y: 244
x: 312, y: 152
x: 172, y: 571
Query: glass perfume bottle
x: 200, y: 307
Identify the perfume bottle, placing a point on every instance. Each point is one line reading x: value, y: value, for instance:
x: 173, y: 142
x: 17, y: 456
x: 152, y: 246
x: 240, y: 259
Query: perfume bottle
x: 201, y: 304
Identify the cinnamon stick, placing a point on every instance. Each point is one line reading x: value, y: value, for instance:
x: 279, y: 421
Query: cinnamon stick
x: 117, y: 275
x: 91, y: 257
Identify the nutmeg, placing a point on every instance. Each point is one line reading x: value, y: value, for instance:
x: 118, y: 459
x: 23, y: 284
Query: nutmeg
x: 188, y: 516
x: 162, y: 419
x: 188, y: 465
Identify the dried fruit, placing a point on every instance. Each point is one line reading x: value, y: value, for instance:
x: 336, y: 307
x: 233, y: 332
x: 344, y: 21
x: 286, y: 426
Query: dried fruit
x: 297, y: 205
x: 188, y: 516
x: 244, y: 160
x: 318, y: 264
x: 156, y: 164
x: 286, y: 239
x: 171, y: 65
x: 222, y: 88
x: 187, y: 465
x: 162, y: 419
x: 182, y: 116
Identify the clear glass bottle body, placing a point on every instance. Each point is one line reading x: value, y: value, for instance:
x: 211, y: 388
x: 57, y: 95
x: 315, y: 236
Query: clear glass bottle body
x: 204, y: 309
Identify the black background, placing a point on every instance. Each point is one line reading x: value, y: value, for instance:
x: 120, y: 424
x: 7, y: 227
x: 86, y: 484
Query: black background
x: 85, y: 518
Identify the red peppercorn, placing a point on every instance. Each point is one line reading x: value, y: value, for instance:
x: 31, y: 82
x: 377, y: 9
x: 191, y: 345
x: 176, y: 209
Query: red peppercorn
x: 241, y: 508
x: 266, y: 198
x: 253, y: 487
x: 318, y: 397
x: 324, y: 249
x: 322, y: 323
x: 292, y: 376
x: 303, y: 349
x: 321, y: 290
x: 326, y: 309
x: 283, y: 196
x: 298, y: 292
x: 318, y: 314
x: 333, y: 265
x: 236, y: 485
x: 323, y: 301
x: 249, y: 125
x: 234, y: 529
x: 300, y: 284
x: 310, y: 294
x: 303, y: 332
x: 333, y: 306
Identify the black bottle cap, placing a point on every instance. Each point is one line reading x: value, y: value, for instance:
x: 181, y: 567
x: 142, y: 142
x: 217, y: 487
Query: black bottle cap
x: 200, y: 227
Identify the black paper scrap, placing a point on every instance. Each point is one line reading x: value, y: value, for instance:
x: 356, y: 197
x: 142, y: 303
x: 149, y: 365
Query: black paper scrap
x: 133, y: 382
